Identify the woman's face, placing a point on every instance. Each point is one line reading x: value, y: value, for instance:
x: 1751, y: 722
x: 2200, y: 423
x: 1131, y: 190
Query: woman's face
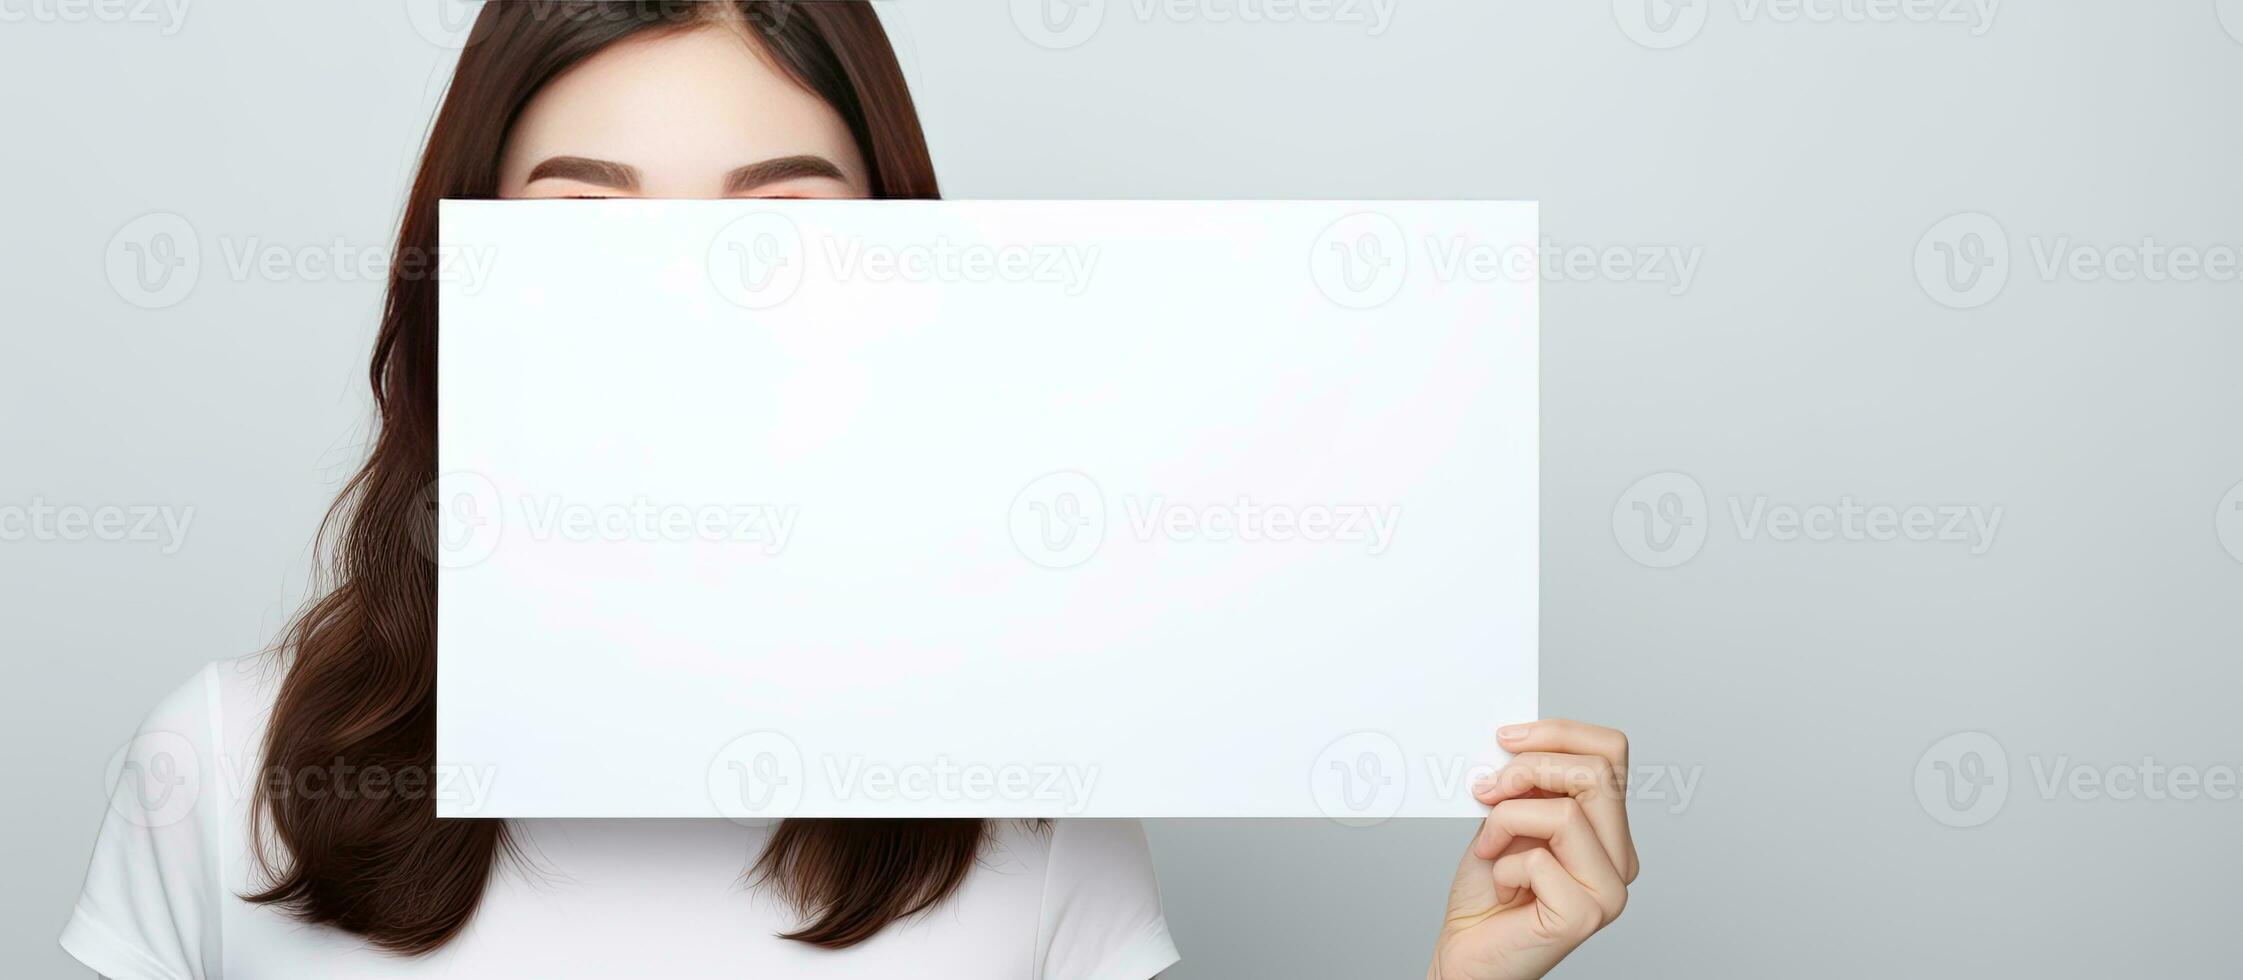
x: 699, y: 113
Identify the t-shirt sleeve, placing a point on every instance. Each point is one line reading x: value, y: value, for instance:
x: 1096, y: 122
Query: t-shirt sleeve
x: 1101, y: 917
x: 150, y: 907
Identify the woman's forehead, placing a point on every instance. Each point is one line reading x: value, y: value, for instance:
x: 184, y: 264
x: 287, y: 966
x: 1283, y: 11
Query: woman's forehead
x: 688, y: 105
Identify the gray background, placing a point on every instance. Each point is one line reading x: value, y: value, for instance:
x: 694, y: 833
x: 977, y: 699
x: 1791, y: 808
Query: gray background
x: 1805, y: 686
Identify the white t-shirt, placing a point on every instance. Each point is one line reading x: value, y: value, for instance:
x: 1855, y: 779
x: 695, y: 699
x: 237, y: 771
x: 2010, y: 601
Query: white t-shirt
x: 656, y: 898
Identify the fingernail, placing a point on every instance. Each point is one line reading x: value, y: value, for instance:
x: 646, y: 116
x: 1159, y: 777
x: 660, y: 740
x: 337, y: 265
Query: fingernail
x: 1512, y: 732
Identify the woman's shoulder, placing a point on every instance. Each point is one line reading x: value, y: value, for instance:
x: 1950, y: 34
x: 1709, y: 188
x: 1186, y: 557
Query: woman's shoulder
x: 192, y: 757
x: 217, y: 686
x: 1068, y: 848
x: 220, y: 705
x: 1099, y: 910
x: 155, y: 883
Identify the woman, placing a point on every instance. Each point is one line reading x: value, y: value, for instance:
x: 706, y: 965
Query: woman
x: 289, y: 857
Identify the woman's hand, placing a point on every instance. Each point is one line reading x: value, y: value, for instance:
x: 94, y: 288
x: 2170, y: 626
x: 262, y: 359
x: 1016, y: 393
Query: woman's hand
x: 1551, y: 864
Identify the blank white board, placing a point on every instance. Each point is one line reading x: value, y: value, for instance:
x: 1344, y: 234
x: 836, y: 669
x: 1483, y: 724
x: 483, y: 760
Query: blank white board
x: 1031, y: 508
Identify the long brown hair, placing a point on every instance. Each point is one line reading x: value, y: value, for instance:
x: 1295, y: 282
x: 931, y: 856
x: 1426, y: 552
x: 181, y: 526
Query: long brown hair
x: 360, y: 689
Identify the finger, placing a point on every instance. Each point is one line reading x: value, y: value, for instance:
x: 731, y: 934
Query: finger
x: 1587, y: 778
x: 1567, y: 736
x: 1572, y: 912
x: 1579, y: 776
x: 1571, y: 839
x: 1511, y: 877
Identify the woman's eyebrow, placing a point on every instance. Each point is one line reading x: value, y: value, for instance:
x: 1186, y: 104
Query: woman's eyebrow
x: 776, y: 169
x: 603, y: 173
